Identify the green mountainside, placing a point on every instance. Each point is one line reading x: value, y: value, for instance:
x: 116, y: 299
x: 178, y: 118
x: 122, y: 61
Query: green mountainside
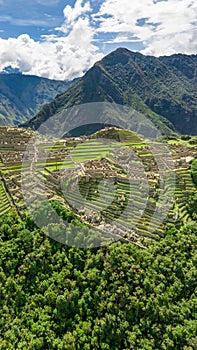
x: 21, y: 96
x: 164, y: 89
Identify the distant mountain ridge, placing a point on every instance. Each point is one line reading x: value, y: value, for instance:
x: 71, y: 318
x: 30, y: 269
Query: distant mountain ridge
x: 11, y: 70
x: 162, y: 88
x: 22, y: 96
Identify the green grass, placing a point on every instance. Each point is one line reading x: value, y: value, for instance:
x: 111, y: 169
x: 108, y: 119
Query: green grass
x: 4, y: 201
x: 184, y: 189
x: 194, y: 171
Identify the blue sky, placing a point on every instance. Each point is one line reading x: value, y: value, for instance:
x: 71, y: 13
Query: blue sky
x: 61, y: 39
x: 32, y: 17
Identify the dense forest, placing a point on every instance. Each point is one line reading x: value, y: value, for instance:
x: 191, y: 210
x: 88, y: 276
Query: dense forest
x: 117, y: 297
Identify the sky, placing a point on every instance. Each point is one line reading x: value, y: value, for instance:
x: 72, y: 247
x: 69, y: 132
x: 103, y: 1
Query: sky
x: 61, y: 39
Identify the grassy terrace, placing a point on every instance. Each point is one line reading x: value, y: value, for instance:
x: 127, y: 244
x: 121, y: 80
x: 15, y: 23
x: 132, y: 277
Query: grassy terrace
x: 111, y: 205
x: 5, y: 201
x: 184, y: 189
x: 117, y: 204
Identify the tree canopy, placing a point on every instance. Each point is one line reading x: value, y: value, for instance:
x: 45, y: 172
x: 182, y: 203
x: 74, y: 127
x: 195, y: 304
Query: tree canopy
x: 110, y: 298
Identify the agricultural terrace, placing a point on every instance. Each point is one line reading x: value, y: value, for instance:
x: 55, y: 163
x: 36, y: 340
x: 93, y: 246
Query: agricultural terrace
x: 89, y: 176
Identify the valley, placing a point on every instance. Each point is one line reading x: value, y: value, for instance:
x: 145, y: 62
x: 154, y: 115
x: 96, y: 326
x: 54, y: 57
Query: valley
x: 22, y: 96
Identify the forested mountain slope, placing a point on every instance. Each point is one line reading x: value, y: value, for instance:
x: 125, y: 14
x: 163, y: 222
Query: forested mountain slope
x: 21, y: 96
x: 164, y: 89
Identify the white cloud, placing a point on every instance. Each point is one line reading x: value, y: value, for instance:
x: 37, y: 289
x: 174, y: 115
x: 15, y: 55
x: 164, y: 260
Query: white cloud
x: 162, y: 27
x: 62, y: 57
x: 55, y: 57
x: 169, y: 26
x: 72, y: 13
x: 122, y: 39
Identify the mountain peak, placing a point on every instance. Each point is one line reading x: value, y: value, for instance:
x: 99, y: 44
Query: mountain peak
x: 121, y: 51
x: 162, y: 88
